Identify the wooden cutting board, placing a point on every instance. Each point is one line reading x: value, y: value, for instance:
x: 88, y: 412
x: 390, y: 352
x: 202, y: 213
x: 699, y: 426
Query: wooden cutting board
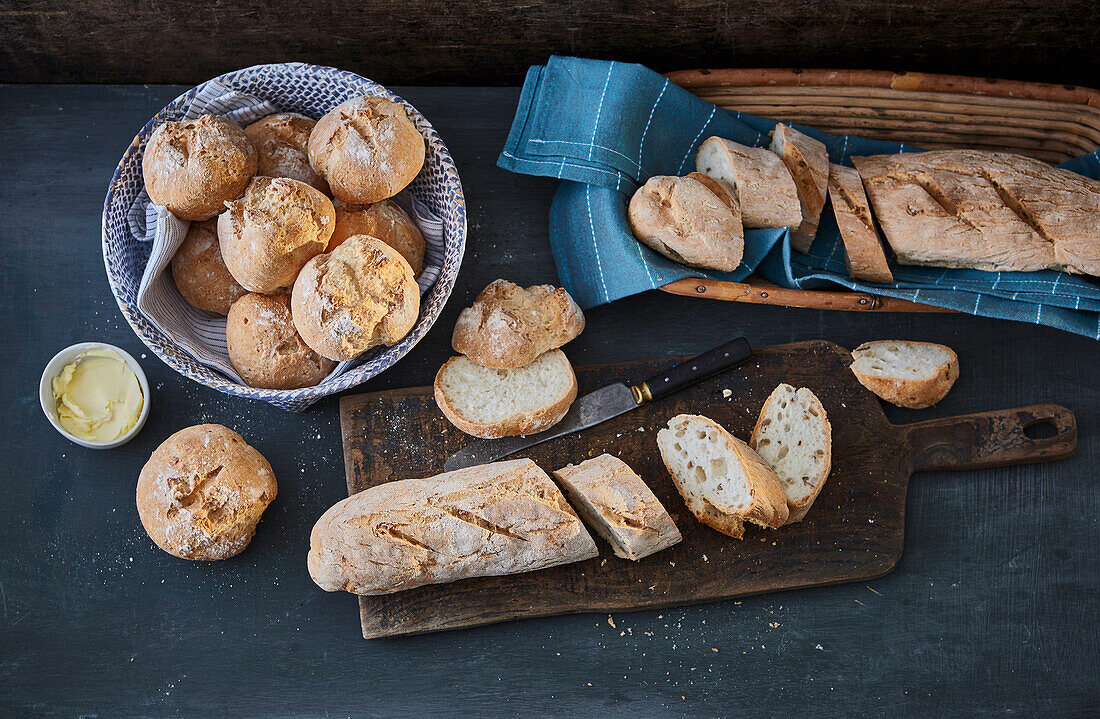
x: 853, y: 532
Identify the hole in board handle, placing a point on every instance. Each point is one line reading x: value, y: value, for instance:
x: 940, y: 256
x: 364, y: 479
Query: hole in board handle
x: 1041, y: 429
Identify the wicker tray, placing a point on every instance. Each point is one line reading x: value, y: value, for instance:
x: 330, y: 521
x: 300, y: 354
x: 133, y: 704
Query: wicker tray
x: 1049, y: 122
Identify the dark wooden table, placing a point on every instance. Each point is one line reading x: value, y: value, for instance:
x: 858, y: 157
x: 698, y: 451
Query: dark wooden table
x: 992, y: 609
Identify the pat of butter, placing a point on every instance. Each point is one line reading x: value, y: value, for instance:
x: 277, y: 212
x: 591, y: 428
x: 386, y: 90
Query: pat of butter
x: 98, y: 396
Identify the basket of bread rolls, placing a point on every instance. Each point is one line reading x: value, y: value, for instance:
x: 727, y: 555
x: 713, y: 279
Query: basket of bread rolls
x: 284, y: 232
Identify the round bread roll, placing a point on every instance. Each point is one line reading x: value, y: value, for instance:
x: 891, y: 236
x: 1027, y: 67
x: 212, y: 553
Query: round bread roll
x: 384, y: 221
x: 266, y: 350
x: 194, y: 167
x: 202, y: 492
x: 200, y: 272
x: 367, y: 148
x: 282, y: 148
x: 268, y: 234
x: 360, y: 295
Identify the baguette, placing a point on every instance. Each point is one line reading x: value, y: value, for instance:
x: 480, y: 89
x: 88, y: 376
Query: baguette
x: 493, y: 403
x: 509, y: 326
x: 862, y: 247
x: 909, y: 374
x: 808, y: 161
x: 722, y: 480
x: 495, y: 519
x: 619, y: 506
x: 794, y: 437
x: 761, y: 182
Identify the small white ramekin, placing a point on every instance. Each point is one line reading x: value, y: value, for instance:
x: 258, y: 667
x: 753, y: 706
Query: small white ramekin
x: 49, y: 404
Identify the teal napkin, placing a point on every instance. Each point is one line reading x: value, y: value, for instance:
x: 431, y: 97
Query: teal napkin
x: 604, y: 128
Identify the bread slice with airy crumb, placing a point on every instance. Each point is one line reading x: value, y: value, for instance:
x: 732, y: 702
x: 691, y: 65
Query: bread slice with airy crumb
x: 724, y: 483
x: 794, y: 437
x: 493, y: 403
x: 909, y: 374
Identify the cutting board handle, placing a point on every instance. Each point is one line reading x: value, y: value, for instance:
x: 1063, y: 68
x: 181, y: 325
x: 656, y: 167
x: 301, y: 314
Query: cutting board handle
x: 993, y: 439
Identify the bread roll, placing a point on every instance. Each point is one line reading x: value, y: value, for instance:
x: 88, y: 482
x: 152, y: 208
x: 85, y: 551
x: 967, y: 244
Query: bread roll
x: 266, y: 350
x: 194, y: 167
x: 384, y: 221
x: 273, y: 230
x: 200, y: 272
x: 282, y: 148
x: 509, y: 326
x: 762, y: 183
x: 495, y: 519
x: 693, y: 221
x: 367, y: 148
x: 360, y: 295
x: 202, y: 492
x: 808, y: 162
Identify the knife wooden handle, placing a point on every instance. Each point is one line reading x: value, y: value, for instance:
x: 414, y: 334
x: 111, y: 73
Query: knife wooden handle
x: 690, y: 371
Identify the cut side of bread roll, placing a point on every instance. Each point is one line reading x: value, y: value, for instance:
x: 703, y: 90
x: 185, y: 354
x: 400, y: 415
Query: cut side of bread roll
x: 794, y: 437
x: 808, y: 161
x: 493, y: 403
x: 619, y: 506
x: 862, y: 247
x: 761, y: 182
x: 722, y: 480
x: 909, y: 374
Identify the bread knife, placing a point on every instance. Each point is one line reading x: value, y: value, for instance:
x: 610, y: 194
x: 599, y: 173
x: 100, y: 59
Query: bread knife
x: 608, y: 402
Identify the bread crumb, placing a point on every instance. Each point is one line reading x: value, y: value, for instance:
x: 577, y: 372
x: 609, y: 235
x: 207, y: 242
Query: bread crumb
x: 727, y: 393
x: 611, y: 621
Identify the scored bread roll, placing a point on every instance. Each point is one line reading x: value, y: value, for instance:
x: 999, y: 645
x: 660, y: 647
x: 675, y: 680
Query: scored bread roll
x: 509, y: 326
x: 862, y: 247
x: 722, y: 480
x: 266, y: 350
x: 367, y: 149
x: 361, y: 295
x: 490, y: 520
x: 492, y: 403
x: 282, y: 148
x: 273, y: 230
x: 762, y: 183
x: 384, y: 221
x: 692, y: 220
x: 909, y: 374
x: 202, y: 492
x: 193, y: 167
x: 808, y: 161
x: 200, y: 273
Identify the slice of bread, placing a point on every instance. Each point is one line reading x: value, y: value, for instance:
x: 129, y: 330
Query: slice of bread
x: 909, y: 374
x: 808, y: 161
x: 492, y: 403
x: 723, y: 482
x: 794, y: 437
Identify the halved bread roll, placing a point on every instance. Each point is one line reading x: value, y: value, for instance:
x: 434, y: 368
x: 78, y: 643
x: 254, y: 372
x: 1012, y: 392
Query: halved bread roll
x: 493, y: 403
x: 794, y: 437
x: 909, y: 374
x: 760, y: 181
x: 808, y: 161
x: 722, y: 480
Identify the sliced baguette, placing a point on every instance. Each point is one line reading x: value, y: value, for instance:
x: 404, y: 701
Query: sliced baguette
x: 909, y: 374
x: 761, y: 182
x: 862, y: 247
x: 808, y: 161
x: 492, y: 403
x: 722, y: 480
x: 619, y: 506
x: 794, y: 437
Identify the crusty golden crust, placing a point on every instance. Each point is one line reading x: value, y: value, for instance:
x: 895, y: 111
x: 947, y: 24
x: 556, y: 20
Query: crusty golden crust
x: 200, y: 273
x: 367, y: 149
x: 202, y: 492
x: 266, y: 350
x: 384, y: 221
x: 862, y: 247
x: 808, y: 162
x: 765, y: 189
x: 917, y: 393
x: 282, y: 148
x: 194, y: 167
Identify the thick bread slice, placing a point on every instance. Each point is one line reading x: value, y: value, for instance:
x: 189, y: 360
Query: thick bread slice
x: 619, y: 506
x: 509, y: 326
x: 492, y: 403
x: 808, y: 161
x: 495, y: 519
x: 722, y: 480
x: 908, y: 374
x: 762, y: 183
x: 693, y: 221
x: 862, y: 247
x: 794, y: 437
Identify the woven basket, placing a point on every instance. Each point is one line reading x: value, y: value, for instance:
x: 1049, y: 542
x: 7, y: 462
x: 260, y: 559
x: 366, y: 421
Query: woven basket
x: 310, y: 90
